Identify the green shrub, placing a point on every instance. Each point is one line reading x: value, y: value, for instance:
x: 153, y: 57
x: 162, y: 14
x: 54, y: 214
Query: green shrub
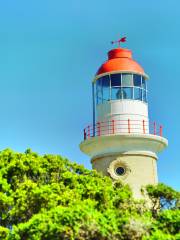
x: 49, y: 197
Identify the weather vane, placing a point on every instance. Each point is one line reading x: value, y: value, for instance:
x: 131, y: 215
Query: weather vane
x: 119, y: 41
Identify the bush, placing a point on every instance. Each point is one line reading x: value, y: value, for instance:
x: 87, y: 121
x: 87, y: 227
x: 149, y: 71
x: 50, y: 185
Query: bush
x: 49, y: 197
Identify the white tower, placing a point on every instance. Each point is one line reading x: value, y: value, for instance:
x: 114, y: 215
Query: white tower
x: 121, y: 141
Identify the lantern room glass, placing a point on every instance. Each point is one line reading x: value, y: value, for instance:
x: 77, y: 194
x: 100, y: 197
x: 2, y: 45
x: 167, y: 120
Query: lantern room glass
x: 120, y: 86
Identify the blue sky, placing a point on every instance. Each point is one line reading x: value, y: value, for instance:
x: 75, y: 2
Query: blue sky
x: 49, y: 53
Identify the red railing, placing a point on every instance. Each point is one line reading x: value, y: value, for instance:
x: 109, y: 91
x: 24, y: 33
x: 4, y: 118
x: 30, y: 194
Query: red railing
x: 129, y: 126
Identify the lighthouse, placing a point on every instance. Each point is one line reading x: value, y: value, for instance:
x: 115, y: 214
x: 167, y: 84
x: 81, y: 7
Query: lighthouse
x: 122, y: 141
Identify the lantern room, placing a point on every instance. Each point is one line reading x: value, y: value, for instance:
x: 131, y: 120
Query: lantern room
x: 120, y: 91
x: 120, y: 77
x: 119, y: 86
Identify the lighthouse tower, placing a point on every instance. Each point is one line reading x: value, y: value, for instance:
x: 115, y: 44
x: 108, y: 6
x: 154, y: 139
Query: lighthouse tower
x: 121, y: 141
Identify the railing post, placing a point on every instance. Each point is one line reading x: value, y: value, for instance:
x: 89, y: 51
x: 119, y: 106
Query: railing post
x: 161, y: 131
x: 129, y: 127
x: 84, y: 134
x: 98, y: 129
x: 113, y: 127
x: 88, y: 131
x: 144, y: 130
x: 154, y: 128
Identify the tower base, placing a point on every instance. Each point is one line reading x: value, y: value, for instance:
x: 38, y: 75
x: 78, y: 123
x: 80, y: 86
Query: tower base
x: 128, y: 157
x: 140, y: 169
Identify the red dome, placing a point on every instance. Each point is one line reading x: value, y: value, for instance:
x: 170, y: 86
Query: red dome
x: 120, y: 59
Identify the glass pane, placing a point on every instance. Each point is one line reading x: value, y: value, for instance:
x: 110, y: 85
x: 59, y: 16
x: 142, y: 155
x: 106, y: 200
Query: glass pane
x: 105, y: 81
x: 94, y: 91
x: 106, y: 94
x: 144, y: 96
x: 106, y: 88
x: 127, y: 93
x: 137, y: 80
x: 99, y: 90
x: 143, y: 83
x: 99, y: 100
x: 115, y: 80
x: 120, y: 171
x: 99, y: 83
x: 115, y: 93
x: 137, y: 94
x: 120, y: 93
x: 127, y: 80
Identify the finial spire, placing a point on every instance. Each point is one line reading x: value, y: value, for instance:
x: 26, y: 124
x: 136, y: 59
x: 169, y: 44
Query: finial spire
x: 119, y: 41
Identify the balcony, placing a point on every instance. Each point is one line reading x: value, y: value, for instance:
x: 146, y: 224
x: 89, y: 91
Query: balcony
x: 120, y: 127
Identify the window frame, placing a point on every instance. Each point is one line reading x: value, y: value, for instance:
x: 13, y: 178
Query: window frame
x: 133, y: 87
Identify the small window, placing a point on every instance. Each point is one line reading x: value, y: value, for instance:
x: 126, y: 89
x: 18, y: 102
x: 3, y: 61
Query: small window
x: 120, y: 171
x: 127, y: 80
x: 115, y: 80
x: 137, y: 80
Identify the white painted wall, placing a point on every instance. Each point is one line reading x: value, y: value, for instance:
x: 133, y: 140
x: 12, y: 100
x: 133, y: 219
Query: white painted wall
x: 142, y: 170
x: 135, y: 111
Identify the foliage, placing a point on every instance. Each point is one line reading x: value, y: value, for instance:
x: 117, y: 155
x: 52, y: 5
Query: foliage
x: 163, y: 197
x: 49, y: 197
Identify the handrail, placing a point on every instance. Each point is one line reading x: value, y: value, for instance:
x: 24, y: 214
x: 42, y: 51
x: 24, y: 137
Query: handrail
x: 128, y: 126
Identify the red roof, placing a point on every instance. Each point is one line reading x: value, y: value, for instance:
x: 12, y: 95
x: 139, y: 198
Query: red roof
x: 120, y: 59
